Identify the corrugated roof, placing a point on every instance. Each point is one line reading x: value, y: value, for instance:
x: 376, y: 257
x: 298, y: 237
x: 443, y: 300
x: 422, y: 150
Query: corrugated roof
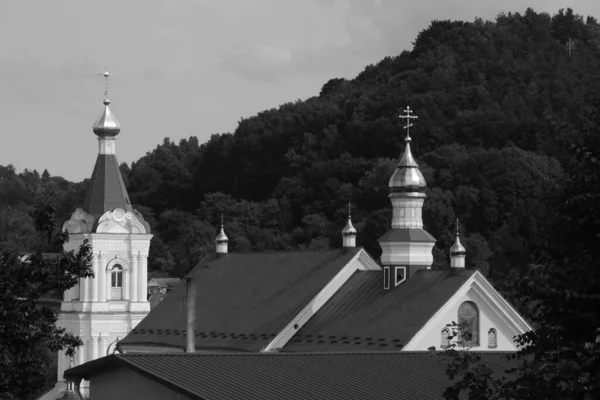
x: 106, y: 190
x: 242, y: 300
x: 343, y: 376
x: 363, y: 316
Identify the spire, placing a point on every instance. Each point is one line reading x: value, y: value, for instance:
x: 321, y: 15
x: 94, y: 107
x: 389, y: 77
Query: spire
x: 222, y: 240
x: 457, y: 251
x: 106, y: 190
x: 407, y: 177
x: 106, y: 125
x: 407, y: 247
x: 349, y: 232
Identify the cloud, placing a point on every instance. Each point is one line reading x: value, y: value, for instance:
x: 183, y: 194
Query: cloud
x: 258, y: 61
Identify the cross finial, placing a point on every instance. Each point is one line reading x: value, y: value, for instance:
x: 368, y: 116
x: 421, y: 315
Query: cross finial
x: 106, y: 74
x: 457, y: 232
x: 349, y: 209
x: 407, y: 116
x: 221, y: 220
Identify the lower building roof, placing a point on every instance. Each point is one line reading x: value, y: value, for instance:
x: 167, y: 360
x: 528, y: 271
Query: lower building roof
x: 333, y: 376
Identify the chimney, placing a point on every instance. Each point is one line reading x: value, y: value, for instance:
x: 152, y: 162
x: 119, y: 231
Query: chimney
x: 190, y: 312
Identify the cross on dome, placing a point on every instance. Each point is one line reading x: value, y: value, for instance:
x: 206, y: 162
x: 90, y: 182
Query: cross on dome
x: 407, y: 116
x: 106, y: 74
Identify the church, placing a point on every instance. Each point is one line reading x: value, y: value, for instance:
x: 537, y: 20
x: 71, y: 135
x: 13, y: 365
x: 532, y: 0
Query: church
x: 270, y: 311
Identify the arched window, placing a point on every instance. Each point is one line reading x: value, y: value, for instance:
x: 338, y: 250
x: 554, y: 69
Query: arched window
x: 116, y: 282
x: 445, y: 340
x: 492, y: 338
x: 468, y: 321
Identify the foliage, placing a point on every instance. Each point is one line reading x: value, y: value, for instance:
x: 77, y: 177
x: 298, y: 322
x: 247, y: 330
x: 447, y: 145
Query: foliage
x: 28, y: 334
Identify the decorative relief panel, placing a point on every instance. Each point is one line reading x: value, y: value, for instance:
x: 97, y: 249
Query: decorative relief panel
x: 119, y: 221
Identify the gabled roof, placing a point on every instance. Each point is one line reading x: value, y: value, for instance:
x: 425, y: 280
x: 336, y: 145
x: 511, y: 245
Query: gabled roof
x: 106, y: 190
x: 242, y: 300
x: 337, y: 376
x: 363, y: 316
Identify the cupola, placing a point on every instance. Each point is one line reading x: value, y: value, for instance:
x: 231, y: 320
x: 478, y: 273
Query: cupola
x: 222, y: 240
x: 457, y: 251
x: 349, y: 232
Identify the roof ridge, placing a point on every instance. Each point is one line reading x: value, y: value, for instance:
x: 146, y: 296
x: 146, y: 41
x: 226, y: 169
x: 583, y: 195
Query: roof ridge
x: 298, y: 354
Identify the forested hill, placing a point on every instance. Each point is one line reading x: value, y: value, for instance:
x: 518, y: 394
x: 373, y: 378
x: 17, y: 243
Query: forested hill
x: 498, y: 102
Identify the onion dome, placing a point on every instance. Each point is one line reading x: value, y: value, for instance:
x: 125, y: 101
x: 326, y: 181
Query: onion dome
x: 457, y: 248
x: 407, y: 177
x: 349, y: 229
x: 222, y: 237
x: 107, y: 124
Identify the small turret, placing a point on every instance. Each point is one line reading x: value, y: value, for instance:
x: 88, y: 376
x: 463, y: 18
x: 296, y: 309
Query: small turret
x: 457, y: 251
x: 349, y: 232
x: 222, y: 240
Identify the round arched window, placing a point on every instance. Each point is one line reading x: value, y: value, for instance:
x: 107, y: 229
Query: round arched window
x: 116, y: 282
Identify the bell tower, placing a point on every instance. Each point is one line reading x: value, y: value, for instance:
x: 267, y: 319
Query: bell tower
x: 407, y: 247
x: 114, y: 301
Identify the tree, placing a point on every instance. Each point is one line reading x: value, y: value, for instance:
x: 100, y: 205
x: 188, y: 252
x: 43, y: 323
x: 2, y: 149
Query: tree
x: 28, y: 334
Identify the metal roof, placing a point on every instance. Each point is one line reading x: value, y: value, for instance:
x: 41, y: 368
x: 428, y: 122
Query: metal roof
x: 242, y: 300
x: 363, y: 316
x: 407, y: 235
x: 333, y: 376
x: 106, y: 189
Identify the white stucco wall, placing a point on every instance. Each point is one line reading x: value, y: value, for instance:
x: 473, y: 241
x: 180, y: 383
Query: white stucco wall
x: 492, y: 314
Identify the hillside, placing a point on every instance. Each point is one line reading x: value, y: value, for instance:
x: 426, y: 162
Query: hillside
x: 499, y: 102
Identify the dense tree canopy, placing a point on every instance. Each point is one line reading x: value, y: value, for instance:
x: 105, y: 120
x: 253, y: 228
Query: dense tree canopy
x: 29, y: 338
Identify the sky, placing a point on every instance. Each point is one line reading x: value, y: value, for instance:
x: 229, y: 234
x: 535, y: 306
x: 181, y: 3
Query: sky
x: 186, y: 68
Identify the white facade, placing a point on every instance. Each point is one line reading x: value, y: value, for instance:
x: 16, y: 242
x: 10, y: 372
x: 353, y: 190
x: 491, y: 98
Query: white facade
x: 108, y: 306
x: 497, y: 321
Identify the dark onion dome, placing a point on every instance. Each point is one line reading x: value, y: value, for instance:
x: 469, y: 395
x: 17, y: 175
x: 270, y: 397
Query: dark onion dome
x: 407, y: 177
x: 107, y: 124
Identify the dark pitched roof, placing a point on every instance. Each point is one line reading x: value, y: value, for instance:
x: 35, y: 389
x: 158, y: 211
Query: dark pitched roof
x: 407, y: 235
x: 106, y: 190
x: 347, y: 376
x: 363, y: 316
x: 242, y: 300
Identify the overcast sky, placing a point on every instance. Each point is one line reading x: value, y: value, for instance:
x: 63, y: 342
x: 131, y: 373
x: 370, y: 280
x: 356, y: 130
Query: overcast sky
x: 188, y: 67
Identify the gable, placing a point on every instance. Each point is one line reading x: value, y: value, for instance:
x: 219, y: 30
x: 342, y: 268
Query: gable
x: 493, y: 313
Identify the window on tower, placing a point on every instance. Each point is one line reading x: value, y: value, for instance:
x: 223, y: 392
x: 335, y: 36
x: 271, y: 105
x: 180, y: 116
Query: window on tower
x: 116, y: 282
x: 399, y: 275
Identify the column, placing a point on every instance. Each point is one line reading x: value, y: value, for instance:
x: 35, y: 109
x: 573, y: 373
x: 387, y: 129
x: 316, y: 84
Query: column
x: 101, y: 277
x: 143, y: 278
x: 126, y: 283
x: 67, y: 295
x: 81, y: 289
x: 103, y: 341
x: 95, y: 348
x: 81, y: 351
x: 134, y: 276
x: 94, y: 281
